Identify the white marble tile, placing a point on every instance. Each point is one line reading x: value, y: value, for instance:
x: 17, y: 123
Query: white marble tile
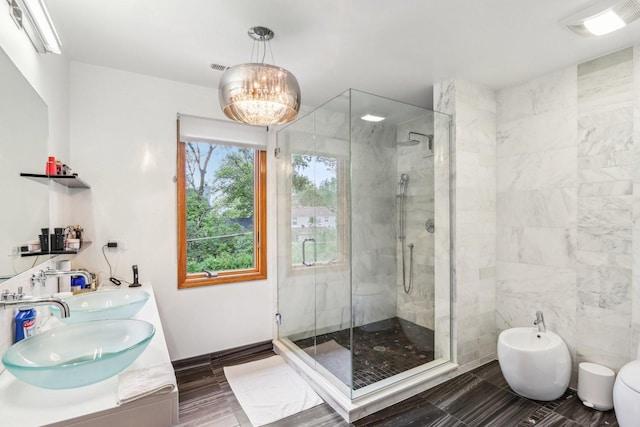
x: 611, y: 188
x: 606, y: 159
x: 605, y: 82
x: 537, y: 245
x: 604, y: 259
x: 550, y: 169
x: 475, y: 131
x: 602, y: 132
x: 553, y: 91
x: 604, y: 239
x: 605, y: 174
x: 594, y: 212
x: 555, y: 207
x: 444, y: 96
x: 534, y: 134
x: 602, y: 343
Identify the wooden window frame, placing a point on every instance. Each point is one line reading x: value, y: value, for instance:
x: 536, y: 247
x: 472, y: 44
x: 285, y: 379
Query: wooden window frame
x: 259, y: 272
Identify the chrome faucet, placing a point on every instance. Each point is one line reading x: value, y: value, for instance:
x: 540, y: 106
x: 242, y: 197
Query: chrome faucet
x: 43, y: 275
x: 17, y: 299
x: 540, y: 322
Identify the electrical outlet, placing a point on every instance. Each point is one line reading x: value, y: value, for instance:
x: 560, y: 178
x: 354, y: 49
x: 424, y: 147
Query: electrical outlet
x: 116, y: 244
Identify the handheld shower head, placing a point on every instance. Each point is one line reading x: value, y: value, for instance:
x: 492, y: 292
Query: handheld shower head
x: 402, y: 185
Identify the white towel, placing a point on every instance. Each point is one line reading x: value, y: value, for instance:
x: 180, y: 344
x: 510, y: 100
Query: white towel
x: 138, y: 383
x: 269, y: 390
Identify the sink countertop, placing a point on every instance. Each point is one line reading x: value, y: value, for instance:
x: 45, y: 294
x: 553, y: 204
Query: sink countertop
x: 96, y: 404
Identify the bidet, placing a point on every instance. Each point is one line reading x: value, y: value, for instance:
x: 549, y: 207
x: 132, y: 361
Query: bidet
x: 536, y: 365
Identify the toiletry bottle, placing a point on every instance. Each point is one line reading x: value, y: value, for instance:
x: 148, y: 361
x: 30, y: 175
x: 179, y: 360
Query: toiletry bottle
x: 51, y: 166
x: 25, y: 323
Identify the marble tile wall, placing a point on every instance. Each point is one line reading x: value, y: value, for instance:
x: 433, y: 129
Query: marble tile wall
x: 373, y: 221
x: 567, y: 156
x: 635, y: 314
x: 537, y: 204
x: 473, y: 108
x: 417, y: 161
x: 605, y: 162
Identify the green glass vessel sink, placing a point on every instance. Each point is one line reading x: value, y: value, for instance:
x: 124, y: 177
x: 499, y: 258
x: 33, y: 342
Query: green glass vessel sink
x: 79, y: 354
x: 117, y: 304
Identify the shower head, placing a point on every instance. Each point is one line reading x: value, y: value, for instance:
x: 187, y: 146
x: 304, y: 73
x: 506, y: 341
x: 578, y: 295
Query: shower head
x: 404, y: 177
x: 411, y: 140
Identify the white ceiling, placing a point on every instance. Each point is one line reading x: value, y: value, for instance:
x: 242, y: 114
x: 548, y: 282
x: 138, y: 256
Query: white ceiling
x: 397, y: 49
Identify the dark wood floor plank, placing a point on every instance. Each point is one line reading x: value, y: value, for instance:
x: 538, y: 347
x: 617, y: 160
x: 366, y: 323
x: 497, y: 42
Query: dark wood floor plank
x: 492, y: 373
x: 474, y: 399
x: 318, y: 416
x: 573, y: 409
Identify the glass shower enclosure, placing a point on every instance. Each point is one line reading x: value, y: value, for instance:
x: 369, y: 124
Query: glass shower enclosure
x: 364, y: 241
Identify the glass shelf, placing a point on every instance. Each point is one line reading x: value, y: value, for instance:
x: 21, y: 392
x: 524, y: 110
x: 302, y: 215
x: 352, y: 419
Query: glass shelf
x: 71, y: 181
x: 64, y: 252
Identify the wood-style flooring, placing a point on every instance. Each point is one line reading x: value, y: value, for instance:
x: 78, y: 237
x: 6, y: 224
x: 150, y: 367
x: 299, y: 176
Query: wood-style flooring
x: 477, y: 398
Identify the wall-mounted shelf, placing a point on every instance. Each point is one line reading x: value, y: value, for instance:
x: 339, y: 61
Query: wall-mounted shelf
x: 71, y: 181
x: 65, y: 252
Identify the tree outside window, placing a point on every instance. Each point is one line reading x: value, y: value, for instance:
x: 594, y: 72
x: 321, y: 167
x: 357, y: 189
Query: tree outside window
x: 223, y: 212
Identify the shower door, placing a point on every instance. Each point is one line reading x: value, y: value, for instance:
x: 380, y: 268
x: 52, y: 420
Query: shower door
x: 314, y: 294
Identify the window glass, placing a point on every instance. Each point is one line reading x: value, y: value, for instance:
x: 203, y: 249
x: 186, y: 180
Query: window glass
x: 222, y: 213
x: 314, y: 209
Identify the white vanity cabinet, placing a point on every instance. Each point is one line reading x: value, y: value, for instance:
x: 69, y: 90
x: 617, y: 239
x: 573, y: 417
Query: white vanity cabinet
x: 95, y: 405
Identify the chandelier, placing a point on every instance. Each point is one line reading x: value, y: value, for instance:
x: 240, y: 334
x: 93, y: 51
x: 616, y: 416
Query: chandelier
x: 257, y: 93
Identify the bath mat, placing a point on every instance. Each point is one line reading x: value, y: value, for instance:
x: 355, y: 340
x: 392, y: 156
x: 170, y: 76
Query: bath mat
x: 334, y: 358
x: 269, y: 390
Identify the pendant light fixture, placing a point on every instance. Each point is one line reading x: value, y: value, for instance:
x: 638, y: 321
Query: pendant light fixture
x: 257, y: 93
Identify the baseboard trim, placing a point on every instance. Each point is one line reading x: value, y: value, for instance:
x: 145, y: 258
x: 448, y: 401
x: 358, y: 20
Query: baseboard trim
x: 230, y: 354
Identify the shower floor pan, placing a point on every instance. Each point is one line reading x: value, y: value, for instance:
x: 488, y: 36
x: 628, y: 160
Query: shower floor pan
x: 392, y: 360
x: 380, y: 350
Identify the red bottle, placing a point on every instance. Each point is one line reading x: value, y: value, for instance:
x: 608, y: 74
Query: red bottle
x: 51, y: 166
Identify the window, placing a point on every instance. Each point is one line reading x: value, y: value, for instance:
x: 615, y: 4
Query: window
x: 315, y: 186
x: 221, y: 213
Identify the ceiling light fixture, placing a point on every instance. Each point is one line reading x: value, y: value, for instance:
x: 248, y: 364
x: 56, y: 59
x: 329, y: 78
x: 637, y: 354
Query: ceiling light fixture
x: 603, y: 17
x: 37, y: 25
x: 257, y: 93
x: 372, y: 118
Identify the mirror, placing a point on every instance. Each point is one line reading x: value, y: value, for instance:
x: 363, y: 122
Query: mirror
x: 23, y: 148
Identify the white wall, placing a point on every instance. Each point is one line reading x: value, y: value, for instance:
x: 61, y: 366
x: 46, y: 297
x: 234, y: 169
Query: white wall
x: 123, y: 143
x: 47, y: 73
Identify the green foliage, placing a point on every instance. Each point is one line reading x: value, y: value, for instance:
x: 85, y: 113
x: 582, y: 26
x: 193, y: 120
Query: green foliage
x: 234, y: 181
x: 216, y: 240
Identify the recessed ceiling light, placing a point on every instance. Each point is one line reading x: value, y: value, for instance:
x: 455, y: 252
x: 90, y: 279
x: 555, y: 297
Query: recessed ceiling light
x: 372, y: 118
x: 604, y: 23
x: 603, y: 17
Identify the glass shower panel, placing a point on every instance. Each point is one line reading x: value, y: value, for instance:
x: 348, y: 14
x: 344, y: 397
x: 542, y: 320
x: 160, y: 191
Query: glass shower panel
x: 314, y: 197
x: 296, y: 285
x: 364, y: 241
x: 393, y: 240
